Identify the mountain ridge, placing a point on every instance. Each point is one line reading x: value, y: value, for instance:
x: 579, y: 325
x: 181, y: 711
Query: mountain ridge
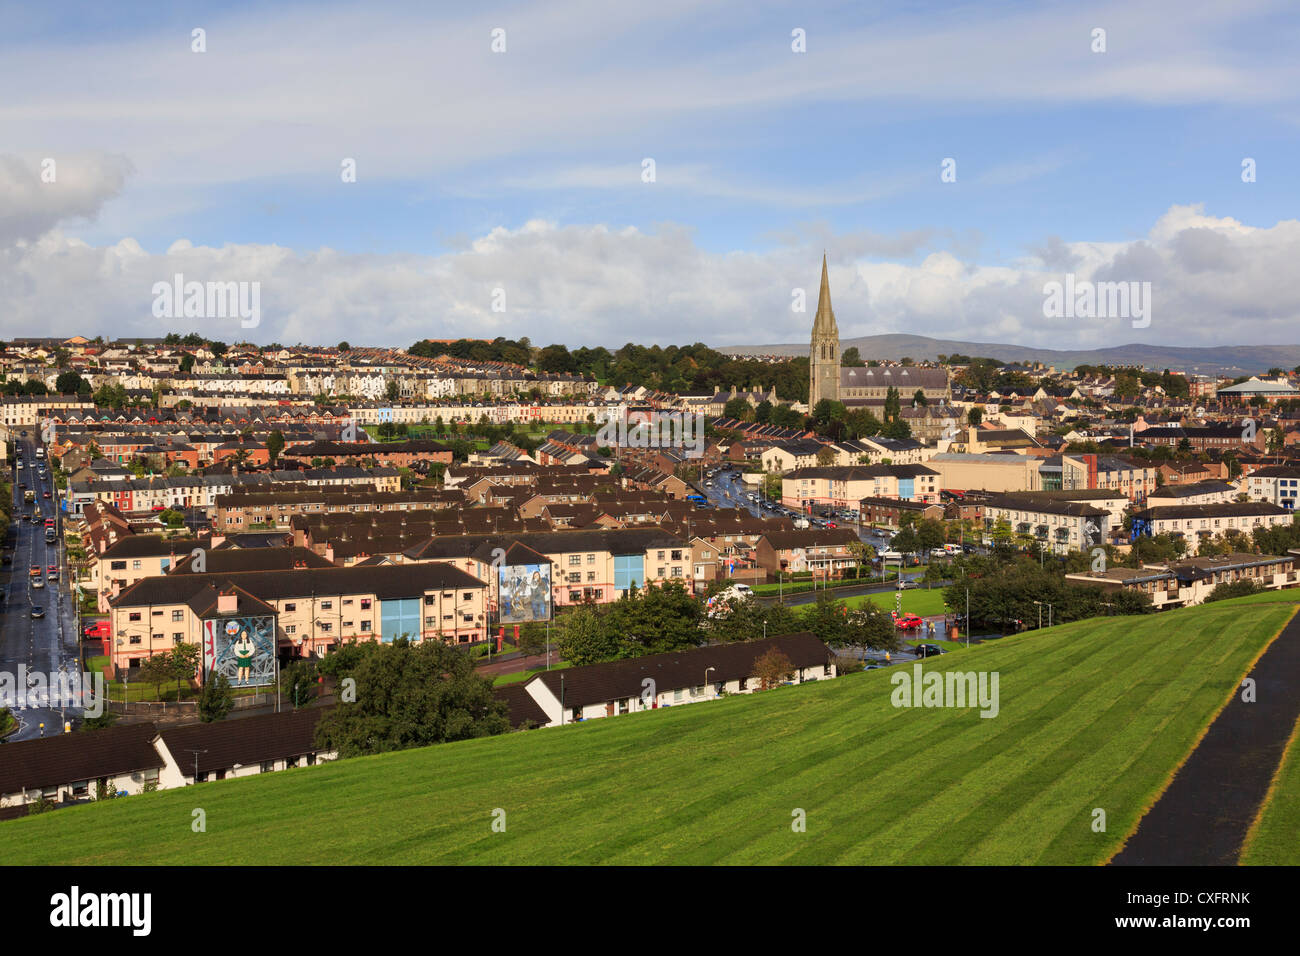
x: 1207, y: 360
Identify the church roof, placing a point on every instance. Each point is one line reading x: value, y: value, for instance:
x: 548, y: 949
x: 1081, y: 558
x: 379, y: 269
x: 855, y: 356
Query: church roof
x: 906, y: 378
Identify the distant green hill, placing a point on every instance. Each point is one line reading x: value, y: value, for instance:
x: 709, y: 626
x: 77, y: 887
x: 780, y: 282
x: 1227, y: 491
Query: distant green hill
x: 1095, y: 714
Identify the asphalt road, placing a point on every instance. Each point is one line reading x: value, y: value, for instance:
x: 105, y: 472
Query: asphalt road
x: 45, y: 644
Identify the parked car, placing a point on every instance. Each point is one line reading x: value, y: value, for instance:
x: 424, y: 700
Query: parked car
x: 928, y: 650
x: 907, y: 583
x: 38, y: 611
x: 908, y: 622
x: 38, y: 582
x: 96, y: 630
x: 52, y: 572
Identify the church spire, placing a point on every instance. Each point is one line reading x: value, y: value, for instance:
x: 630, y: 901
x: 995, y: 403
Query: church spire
x: 824, y: 351
x: 825, y: 320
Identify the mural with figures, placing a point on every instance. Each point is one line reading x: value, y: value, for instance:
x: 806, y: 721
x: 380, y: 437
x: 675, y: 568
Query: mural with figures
x: 525, y: 591
x: 242, y: 648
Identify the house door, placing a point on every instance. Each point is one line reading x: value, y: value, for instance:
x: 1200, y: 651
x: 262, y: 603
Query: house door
x: 609, y: 709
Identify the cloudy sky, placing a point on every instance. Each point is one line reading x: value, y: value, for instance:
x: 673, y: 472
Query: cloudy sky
x: 526, y: 170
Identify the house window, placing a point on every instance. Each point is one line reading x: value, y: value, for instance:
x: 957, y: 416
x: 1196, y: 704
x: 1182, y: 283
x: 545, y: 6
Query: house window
x: 289, y: 608
x: 591, y: 559
x: 291, y: 629
x: 178, y: 615
x: 136, y: 565
x: 326, y: 605
x: 575, y: 560
x: 365, y: 603
x: 177, y: 637
x: 135, y: 639
x: 325, y: 625
x: 135, y: 615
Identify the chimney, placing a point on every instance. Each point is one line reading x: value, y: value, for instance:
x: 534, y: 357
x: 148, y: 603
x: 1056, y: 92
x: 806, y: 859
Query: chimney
x: 227, y: 602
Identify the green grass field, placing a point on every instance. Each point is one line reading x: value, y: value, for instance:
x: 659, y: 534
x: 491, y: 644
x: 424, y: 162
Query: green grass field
x: 915, y: 601
x: 1273, y: 841
x: 1092, y: 714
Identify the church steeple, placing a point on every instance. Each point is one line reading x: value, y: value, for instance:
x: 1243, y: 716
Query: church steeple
x: 825, y: 320
x: 824, y: 353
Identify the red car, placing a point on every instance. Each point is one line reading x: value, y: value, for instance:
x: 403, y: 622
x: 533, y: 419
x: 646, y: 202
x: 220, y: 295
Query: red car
x: 98, y: 629
x: 52, y: 572
x: 908, y: 622
x: 35, y: 572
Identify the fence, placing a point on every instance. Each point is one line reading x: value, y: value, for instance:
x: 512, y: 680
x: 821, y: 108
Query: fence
x: 184, y: 708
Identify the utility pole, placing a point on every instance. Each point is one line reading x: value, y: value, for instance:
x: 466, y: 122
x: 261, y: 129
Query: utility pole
x: 196, y: 762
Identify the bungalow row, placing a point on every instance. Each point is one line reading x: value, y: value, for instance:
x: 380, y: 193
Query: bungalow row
x: 132, y: 758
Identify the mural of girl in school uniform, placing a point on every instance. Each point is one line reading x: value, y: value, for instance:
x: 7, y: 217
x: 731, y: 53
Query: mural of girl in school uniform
x: 242, y: 648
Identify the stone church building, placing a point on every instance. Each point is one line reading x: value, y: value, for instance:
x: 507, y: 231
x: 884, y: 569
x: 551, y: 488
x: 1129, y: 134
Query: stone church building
x: 865, y: 386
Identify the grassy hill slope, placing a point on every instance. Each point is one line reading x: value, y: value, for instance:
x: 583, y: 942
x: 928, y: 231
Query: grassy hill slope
x: 1095, y: 714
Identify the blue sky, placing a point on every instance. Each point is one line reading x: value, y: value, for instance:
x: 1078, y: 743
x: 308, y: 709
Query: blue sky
x: 522, y: 170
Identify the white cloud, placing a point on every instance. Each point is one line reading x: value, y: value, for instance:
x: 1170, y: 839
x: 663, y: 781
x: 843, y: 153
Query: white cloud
x: 593, y: 284
x: 39, y: 192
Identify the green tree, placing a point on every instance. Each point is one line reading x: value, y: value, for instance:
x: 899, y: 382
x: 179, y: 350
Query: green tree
x: 871, y: 626
x: 156, y: 670
x: 298, y: 683
x: 186, y: 659
x: 216, y: 699
x: 828, y: 618
x: 68, y: 383
x: 411, y: 695
x: 737, y: 408
x: 582, y: 637
x: 275, y: 444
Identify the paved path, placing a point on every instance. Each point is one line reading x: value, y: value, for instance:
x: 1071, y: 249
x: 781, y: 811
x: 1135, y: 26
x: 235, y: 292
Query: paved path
x: 1203, y: 817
